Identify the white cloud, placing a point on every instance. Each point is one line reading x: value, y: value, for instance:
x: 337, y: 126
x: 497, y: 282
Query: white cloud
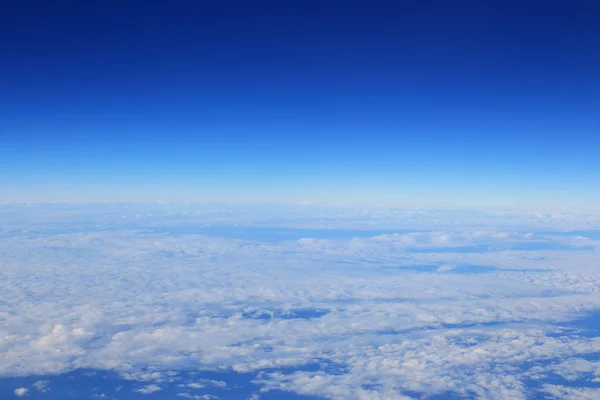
x: 446, y: 268
x: 198, y: 396
x: 203, y: 383
x: 351, y: 317
x: 574, y: 369
x: 571, y: 393
x: 149, y: 389
x: 21, y: 392
x: 42, y: 386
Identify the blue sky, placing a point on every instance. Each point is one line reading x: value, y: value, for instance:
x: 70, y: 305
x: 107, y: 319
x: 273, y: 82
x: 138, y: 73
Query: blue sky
x: 469, y: 103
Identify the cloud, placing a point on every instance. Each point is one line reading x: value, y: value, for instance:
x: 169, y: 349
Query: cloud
x: 564, y: 392
x: 574, y: 369
x: 203, y: 383
x: 149, y: 389
x: 21, y: 392
x: 198, y: 396
x: 446, y: 268
x: 42, y: 386
x: 354, y: 316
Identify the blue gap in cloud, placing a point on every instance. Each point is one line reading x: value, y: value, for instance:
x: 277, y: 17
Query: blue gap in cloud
x: 438, y: 326
x: 91, y: 384
x: 303, y: 313
x: 534, y: 385
x: 316, y: 365
x: 587, y: 326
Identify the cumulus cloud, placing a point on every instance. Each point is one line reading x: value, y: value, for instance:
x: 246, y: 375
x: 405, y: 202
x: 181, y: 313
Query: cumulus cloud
x: 149, y: 389
x: 21, y: 392
x: 203, y: 383
x: 366, y: 315
x: 574, y: 369
x: 41, y: 386
x: 198, y: 396
x: 571, y: 393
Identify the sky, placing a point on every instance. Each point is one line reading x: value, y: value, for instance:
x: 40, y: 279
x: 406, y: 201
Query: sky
x: 448, y: 103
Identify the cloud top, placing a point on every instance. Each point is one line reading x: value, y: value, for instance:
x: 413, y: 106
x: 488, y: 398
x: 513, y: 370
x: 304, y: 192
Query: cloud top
x: 371, y: 316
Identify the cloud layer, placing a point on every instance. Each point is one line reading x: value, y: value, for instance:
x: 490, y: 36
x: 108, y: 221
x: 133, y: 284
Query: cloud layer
x: 473, y: 309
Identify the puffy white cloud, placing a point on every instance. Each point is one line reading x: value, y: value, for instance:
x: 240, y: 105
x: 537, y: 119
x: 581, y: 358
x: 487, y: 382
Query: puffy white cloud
x: 21, y: 392
x: 574, y: 369
x: 149, y: 389
x: 198, y: 396
x: 203, y: 383
x: 571, y: 393
x: 42, y: 386
x: 361, y: 316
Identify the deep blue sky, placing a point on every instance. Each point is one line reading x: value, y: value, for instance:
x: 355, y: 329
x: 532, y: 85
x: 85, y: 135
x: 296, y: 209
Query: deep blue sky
x: 445, y: 101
